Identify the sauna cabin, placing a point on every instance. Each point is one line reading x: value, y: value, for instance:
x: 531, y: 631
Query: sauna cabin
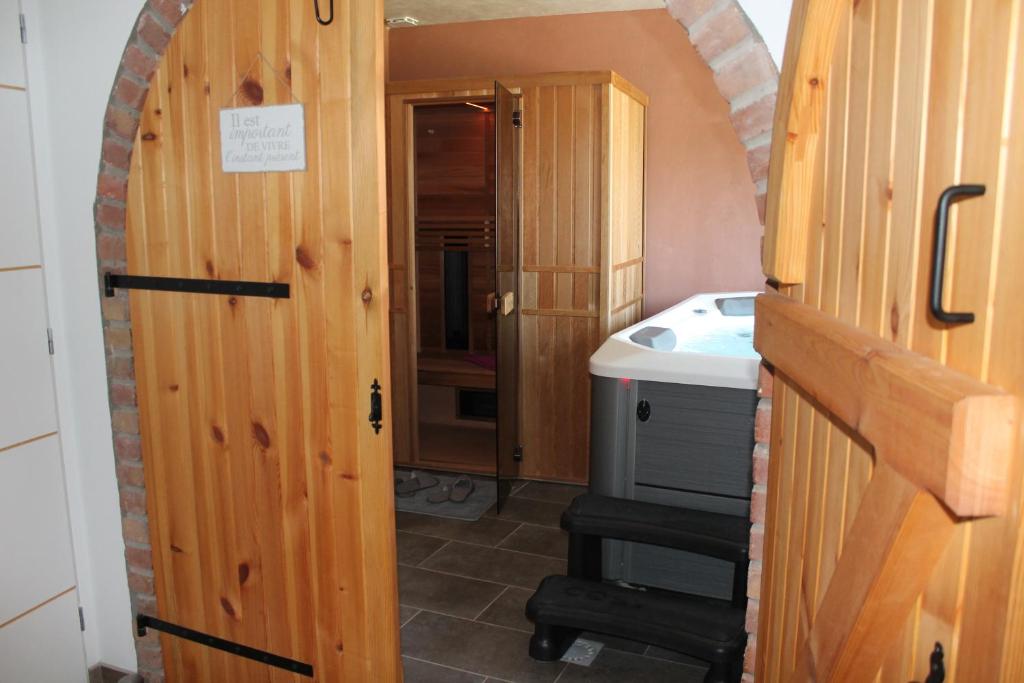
x: 516, y: 246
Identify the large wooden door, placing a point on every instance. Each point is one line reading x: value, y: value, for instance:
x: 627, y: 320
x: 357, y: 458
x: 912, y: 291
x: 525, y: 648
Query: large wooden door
x: 895, y: 485
x: 507, y: 179
x: 268, y: 488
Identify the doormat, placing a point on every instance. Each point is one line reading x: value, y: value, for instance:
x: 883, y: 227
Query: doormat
x: 484, y: 496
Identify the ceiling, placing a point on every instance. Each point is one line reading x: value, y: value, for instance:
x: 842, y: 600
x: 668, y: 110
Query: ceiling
x: 455, y: 11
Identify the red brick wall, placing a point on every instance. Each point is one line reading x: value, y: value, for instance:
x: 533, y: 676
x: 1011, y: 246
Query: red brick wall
x: 758, y: 502
x: 146, y: 43
x: 743, y: 72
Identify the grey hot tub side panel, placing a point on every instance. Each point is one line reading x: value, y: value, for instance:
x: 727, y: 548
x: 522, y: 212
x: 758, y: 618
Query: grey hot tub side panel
x: 695, y: 451
x: 697, y: 439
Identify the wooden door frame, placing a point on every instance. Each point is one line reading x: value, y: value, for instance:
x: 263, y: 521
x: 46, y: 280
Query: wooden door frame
x: 156, y: 25
x: 407, y: 155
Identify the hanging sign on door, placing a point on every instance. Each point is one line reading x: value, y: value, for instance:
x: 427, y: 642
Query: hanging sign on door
x: 263, y: 139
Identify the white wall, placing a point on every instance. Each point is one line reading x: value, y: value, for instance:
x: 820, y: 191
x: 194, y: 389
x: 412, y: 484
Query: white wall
x: 771, y: 18
x: 73, y: 53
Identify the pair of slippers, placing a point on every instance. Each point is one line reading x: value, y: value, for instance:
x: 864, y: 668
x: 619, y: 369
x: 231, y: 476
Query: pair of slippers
x: 456, y: 492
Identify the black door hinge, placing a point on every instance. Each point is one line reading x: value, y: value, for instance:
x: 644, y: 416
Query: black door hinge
x: 936, y: 666
x: 517, y: 119
x: 49, y: 339
x: 81, y: 618
x: 376, y: 407
x: 23, y: 28
x: 517, y: 453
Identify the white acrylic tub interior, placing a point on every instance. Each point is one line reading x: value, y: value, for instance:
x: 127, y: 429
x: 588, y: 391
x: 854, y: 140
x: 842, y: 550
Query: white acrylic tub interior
x: 711, y: 349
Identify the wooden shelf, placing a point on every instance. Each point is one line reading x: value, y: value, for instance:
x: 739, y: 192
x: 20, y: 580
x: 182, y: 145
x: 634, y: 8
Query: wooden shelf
x: 454, y: 372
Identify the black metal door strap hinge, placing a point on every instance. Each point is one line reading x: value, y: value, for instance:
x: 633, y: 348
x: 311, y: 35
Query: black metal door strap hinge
x: 376, y: 407
x: 273, y: 290
x: 936, y: 665
x: 144, y: 622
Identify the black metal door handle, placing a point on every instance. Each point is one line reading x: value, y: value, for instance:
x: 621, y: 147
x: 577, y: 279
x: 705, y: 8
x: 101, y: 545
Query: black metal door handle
x: 376, y: 407
x: 946, y: 200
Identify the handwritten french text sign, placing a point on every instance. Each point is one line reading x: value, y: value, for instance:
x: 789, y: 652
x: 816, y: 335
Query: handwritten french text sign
x: 263, y: 139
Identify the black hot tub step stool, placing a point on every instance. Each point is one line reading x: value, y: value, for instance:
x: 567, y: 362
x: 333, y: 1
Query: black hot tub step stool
x: 708, y: 629
x: 712, y: 630
x: 726, y: 537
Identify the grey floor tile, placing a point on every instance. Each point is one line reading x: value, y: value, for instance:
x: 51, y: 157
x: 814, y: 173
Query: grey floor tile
x: 615, y: 666
x: 530, y: 511
x: 494, y: 564
x: 425, y: 672
x: 509, y: 610
x: 539, y: 540
x: 414, y: 548
x: 405, y: 613
x: 481, y: 648
x: 455, y: 595
x: 487, y: 530
x: 562, y: 494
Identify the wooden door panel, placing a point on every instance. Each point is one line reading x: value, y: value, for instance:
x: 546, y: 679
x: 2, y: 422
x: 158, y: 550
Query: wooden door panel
x: 19, y: 232
x: 37, y: 536
x: 915, y: 101
x: 264, y: 477
x: 508, y: 263
x: 12, y: 68
x: 27, y: 406
x: 45, y: 644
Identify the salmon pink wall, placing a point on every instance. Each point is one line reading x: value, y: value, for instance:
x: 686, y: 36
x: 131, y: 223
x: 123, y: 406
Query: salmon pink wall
x: 703, y: 232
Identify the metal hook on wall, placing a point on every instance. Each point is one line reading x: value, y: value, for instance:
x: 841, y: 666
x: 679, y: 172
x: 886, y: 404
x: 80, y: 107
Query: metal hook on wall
x: 319, y: 17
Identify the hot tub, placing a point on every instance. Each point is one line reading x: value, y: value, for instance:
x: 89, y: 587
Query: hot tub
x: 672, y: 422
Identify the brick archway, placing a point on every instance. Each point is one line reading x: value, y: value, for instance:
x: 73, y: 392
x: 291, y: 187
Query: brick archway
x: 744, y: 72
x: 719, y: 29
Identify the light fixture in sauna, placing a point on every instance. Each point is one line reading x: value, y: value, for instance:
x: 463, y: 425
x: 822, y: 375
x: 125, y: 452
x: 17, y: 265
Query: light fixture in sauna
x: 397, y: 22
x: 477, y: 106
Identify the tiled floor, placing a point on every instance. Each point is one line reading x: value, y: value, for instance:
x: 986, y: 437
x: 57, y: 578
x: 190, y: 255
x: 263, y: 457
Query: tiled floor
x: 464, y: 586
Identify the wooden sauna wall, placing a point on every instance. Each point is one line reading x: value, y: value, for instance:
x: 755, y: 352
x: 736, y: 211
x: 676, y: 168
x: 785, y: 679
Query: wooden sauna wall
x: 582, y: 249
x: 624, y: 218
x: 582, y: 259
x: 455, y: 211
x: 919, y: 98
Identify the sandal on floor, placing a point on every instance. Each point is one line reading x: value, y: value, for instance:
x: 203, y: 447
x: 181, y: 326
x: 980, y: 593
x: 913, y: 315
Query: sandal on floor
x: 462, y: 488
x: 441, y: 495
x: 418, y: 481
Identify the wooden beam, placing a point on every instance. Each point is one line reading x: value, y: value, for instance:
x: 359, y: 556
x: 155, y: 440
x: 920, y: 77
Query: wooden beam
x: 897, y: 538
x: 944, y: 431
x: 796, y: 136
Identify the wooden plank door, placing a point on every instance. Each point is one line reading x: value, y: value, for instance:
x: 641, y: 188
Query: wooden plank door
x: 895, y: 483
x: 506, y: 126
x: 268, y: 489
x: 40, y: 633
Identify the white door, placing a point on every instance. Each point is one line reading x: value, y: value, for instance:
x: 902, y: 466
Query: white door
x: 40, y: 636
